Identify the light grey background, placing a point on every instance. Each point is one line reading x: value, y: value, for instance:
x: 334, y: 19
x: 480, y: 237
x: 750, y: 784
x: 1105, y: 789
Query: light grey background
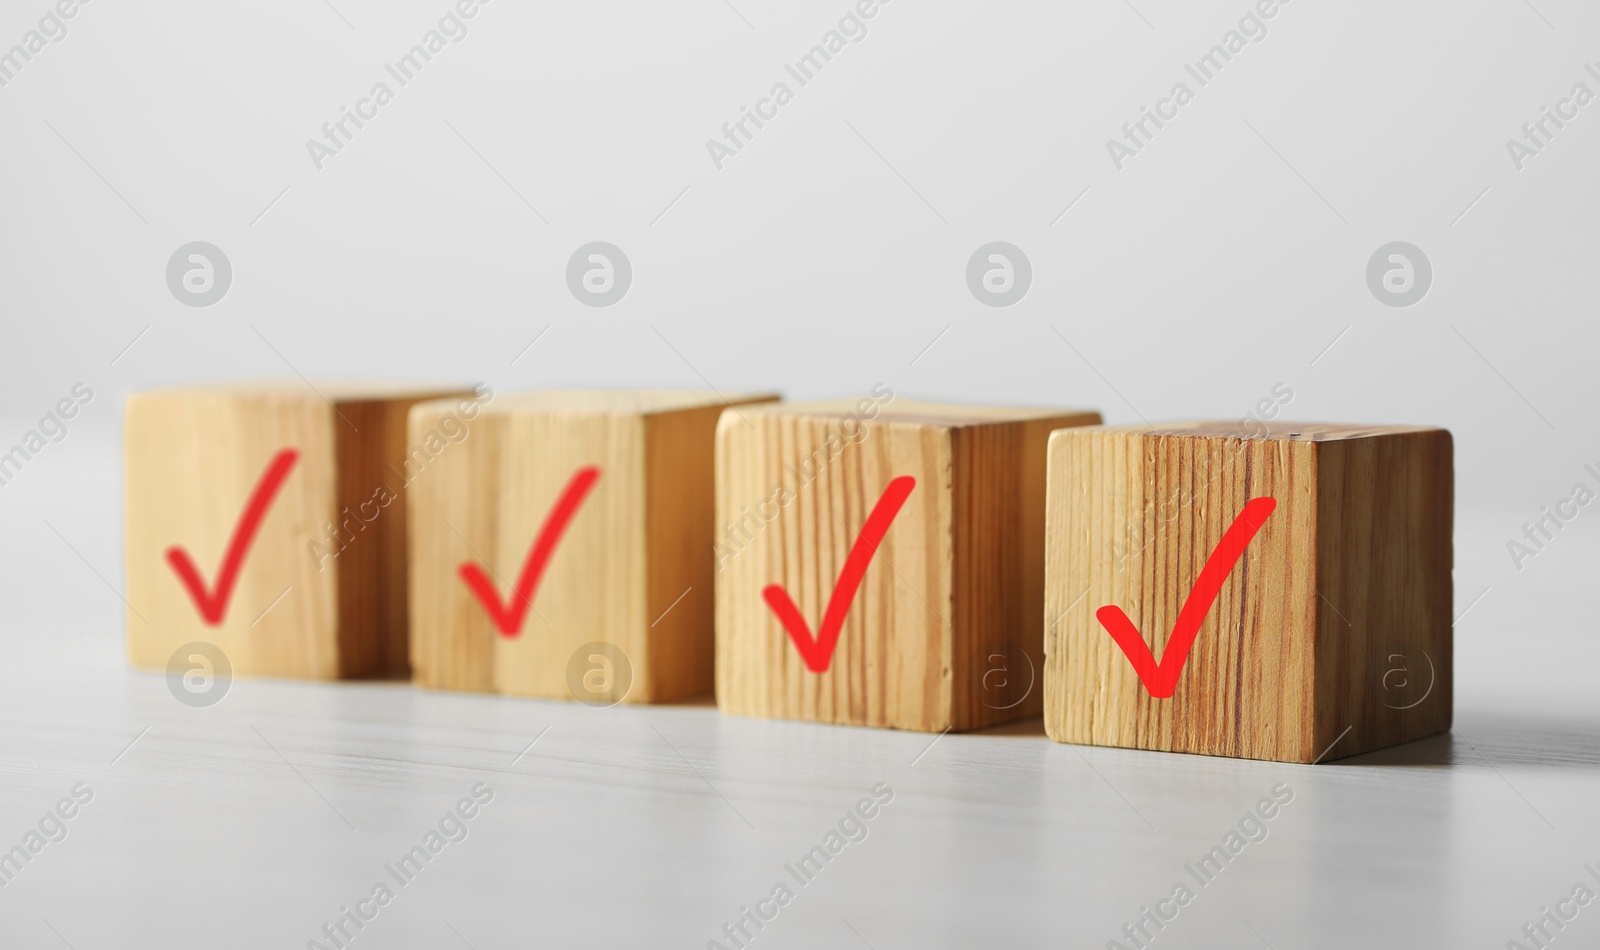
x: 828, y: 255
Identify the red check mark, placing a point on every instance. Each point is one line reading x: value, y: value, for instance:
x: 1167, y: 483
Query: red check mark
x: 818, y: 652
x: 214, y: 604
x: 1162, y: 680
x: 508, y: 618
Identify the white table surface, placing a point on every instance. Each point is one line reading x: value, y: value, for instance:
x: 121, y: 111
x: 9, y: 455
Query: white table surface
x: 250, y: 823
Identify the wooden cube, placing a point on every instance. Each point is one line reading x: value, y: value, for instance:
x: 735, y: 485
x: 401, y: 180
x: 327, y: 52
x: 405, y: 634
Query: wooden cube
x: 612, y: 492
x: 1345, y: 584
x: 313, y: 586
x: 943, y: 631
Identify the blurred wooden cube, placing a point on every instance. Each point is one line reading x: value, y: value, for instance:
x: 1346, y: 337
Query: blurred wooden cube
x: 318, y: 589
x: 1330, y: 636
x: 944, y: 630
x: 630, y: 568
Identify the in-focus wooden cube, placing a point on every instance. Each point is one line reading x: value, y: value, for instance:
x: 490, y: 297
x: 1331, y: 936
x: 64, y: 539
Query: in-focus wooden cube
x: 319, y: 590
x: 1329, y: 637
x: 944, y: 630
x: 631, y: 569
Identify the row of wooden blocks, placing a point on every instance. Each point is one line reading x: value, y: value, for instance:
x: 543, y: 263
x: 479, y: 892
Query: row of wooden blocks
x: 1233, y: 589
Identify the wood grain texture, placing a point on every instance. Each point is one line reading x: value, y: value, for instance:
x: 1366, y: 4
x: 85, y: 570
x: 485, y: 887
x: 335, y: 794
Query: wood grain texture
x: 943, y: 632
x: 1350, y: 571
x: 632, y: 569
x: 194, y: 455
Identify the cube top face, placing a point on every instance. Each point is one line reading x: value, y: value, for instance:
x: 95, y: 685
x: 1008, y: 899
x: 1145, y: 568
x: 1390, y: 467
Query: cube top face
x: 629, y: 569
x: 1346, y: 581
x: 1270, y: 431
x: 320, y: 391
x: 884, y: 407
x: 194, y: 457
x: 626, y: 402
x: 954, y: 580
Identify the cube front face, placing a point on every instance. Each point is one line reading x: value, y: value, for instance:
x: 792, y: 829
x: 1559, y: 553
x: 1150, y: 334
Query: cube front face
x: 945, y: 595
x: 192, y: 459
x: 894, y: 650
x: 630, y: 569
x: 1286, y: 657
x: 319, y: 588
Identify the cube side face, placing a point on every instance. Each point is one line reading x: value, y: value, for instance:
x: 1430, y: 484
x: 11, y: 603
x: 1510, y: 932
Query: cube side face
x: 376, y: 462
x: 451, y: 637
x: 793, y: 493
x: 1131, y: 521
x: 593, y: 586
x: 680, y: 508
x: 998, y: 525
x: 192, y: 460
x: 1385, y: 655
